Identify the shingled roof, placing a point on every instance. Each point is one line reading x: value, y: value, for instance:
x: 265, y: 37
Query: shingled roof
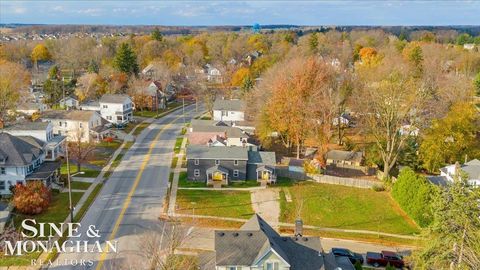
x: 211, y: 152
x: 113, y: 98
x: 229, y: 105
x: 75, y: 115
x: 19, y: 150
x: 256, y: 238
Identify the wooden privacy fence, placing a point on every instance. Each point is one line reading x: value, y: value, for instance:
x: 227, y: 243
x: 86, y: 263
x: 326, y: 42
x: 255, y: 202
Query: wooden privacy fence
x: 344, y: 181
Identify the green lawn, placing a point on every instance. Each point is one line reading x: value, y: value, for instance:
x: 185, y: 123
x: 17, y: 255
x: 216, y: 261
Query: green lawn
x: 244, y: 184
x: 26, y: 259
x: 74, y: 169
x: 178, y: 145
x: 343, y: 207
x: 140, y: 128
x: 110, y: 145
x: 183, y: 182
x: 148, y: 114
x: 234, y: 204
x: 174, y: 162
x: 80, y: 185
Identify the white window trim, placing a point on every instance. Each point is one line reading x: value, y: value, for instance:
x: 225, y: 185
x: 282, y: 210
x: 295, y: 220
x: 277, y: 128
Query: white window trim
x: 236, y: 173
x: 235, y: 162
x: 196, y: 172
x: 197, y: 161
x: 217, y: 161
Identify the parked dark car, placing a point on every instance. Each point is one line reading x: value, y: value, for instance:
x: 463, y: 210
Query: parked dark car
x: 385, y: 257
x: 352, y: 256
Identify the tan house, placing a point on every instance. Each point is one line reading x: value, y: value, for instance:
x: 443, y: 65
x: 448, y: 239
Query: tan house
x: 75, y: 125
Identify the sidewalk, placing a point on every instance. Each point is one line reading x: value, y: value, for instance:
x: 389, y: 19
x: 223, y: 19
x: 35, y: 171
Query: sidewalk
x: 176, y: 175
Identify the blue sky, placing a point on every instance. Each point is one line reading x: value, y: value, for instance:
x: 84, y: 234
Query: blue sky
x: 242, y: 12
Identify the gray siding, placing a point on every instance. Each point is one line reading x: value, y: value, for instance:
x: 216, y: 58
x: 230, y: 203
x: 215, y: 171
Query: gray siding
x: 204, y: 164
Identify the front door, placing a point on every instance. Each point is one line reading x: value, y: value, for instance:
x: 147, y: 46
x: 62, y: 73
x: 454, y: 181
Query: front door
x: 265, y: 175
x: 218, y: 176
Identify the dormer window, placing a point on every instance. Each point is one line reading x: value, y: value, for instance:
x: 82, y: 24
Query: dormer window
x: 2, y: 170
x: 272, y: 266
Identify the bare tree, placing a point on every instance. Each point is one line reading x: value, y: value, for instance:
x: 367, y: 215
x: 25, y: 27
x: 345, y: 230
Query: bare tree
x: 162, y: 249
x: 81, y: 147
x: 13, y: 83
x: 388, y: 99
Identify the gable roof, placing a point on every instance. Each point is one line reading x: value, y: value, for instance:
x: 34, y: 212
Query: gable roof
x: 262, y: 158
x: 19, y: 150
x: 345, y: 155
x: 229, y: 105
x: 472, y: 168
x: 75, y: 115
x: 211, y: 152
x: 256, y: 238
x: 114, y: 98
x: 38, y: 125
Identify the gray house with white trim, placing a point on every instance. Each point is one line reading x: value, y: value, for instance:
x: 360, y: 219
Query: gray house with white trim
x: 230, y: 163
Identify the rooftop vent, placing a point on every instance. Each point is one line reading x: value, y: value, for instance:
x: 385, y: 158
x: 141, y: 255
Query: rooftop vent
x: 235, y: 234
x: 298, y: 227
x: 221, y: 234
x: 250, y: 234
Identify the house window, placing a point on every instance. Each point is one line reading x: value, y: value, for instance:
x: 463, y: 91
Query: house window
x: 65, y: 124
x: 105, y: 106
x: 235, y: 173
x: 217, y: 162
x: 109, y: 118
x: 272, y: 266
x: 2, y: 185
x: 196, y: 172
x: 234, y: 268
x: 224, y: 113
x: 81, y: 126
x: 235, y: 162
x: 197, y: 161
x: 2, y: 170
x: 60, y: 123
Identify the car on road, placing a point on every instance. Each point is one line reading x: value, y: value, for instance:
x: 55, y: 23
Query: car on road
x: 385, y: 257
x: 352, y: 256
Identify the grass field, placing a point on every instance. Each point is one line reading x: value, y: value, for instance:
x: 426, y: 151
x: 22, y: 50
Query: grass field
x: 148, y: 114
x: 243, y: 184
x: 140, y: 128
x: 74, y: 169
x: 234, y: 204
x: 80, y: 185
x: 174, y: 162
x: 343, y: 207
x: 183, y: 182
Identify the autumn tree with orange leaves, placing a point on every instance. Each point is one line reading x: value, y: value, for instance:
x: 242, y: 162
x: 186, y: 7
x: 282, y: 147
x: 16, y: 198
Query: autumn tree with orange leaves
x: 299, y: 103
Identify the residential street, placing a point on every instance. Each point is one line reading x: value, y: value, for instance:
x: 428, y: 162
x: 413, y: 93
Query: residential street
x: 131, y: 200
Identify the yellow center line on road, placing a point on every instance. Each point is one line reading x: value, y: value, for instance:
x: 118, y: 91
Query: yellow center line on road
x: 132, y: 191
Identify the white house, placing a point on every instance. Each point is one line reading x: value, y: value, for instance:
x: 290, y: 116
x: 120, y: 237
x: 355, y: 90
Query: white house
x: 471, y: 169
x: 90, y: 106
x: 116, y: 109
x: 22, y: 159
x: 43, y: 131
x: 83, y: 125
x: 69, y: 103
x: 229, y: 110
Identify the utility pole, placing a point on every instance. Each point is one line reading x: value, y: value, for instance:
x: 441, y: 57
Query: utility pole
x: 183, y: 110
x: 69, y: 185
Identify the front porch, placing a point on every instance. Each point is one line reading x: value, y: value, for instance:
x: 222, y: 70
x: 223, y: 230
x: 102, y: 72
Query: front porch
x: 55, y: 148
x: 217, y: 176
x: 48, y: 173
x: 266, y: 174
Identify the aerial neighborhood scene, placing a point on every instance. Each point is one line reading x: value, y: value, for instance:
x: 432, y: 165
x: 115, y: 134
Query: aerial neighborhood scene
x: 240, y: 135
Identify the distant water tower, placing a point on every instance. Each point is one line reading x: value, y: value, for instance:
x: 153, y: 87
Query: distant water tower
x: 256, y: 28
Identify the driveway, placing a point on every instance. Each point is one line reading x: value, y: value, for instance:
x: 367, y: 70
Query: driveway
x: 266, y: 203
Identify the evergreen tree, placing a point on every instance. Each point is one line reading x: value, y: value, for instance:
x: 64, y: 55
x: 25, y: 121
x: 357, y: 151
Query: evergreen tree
x: 476, y: 84
x: 156, y: 34
x: 125, y: 60
x: 53, y: 73
x: 247, y: 84
x: 453, y: 239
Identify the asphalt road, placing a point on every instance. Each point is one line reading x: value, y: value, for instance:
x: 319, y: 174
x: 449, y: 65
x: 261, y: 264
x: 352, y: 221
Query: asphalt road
x: 129, y: 204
